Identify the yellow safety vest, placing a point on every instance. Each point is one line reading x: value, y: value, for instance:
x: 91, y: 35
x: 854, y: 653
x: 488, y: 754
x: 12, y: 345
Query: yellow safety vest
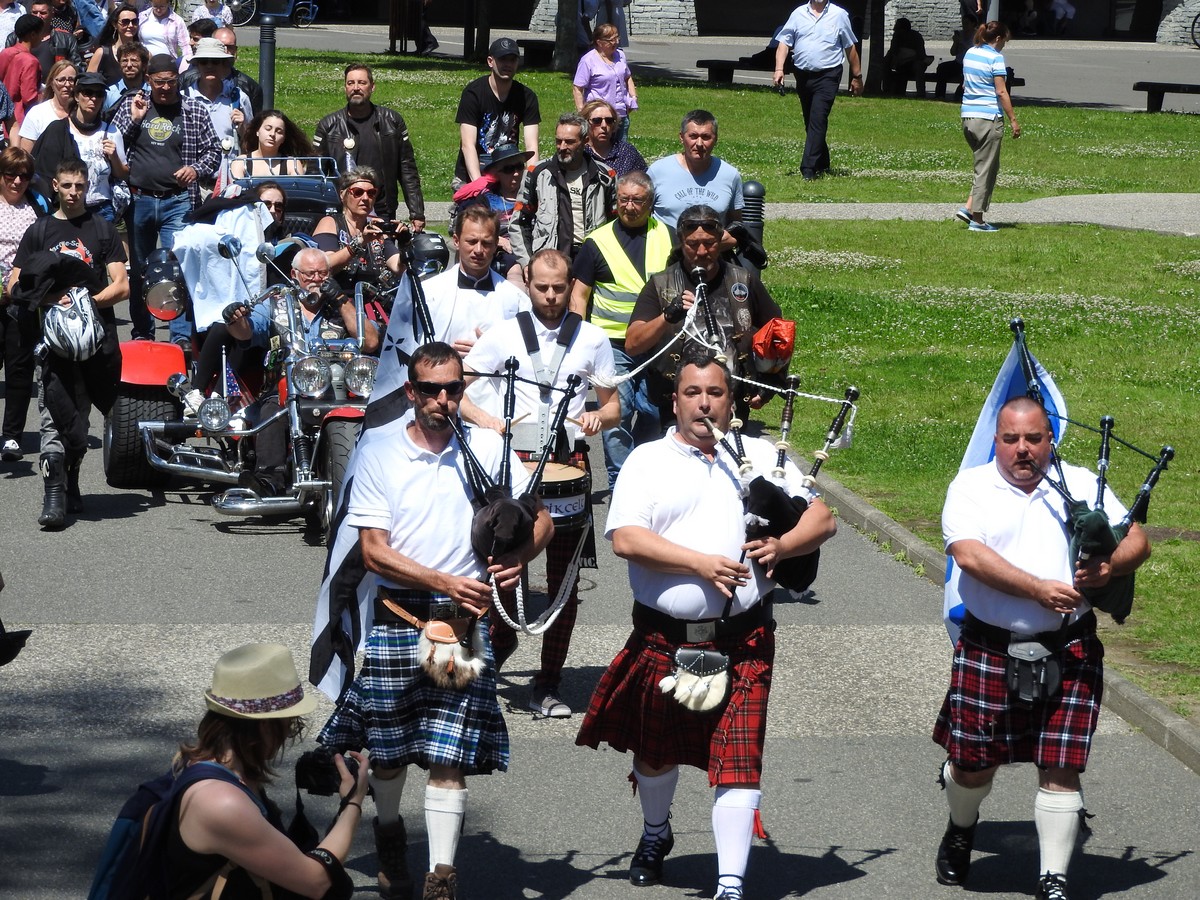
x: 613, y: 301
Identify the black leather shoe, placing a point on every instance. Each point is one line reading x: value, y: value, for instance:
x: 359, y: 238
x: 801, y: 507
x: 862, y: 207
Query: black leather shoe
x: 1052, y: 886
x: 647, y: 865
x: 954, y: 854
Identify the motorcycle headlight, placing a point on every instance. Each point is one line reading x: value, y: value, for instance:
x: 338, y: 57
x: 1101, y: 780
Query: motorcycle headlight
x: 311, y: 376
x: 214, y: 414
x: 360, y: 375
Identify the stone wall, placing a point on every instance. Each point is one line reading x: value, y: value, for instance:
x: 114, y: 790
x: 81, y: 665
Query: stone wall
x: 645, y: 17
x: 1176, y: 26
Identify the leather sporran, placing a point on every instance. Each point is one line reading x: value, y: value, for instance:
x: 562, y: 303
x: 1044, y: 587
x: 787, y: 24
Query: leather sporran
x: 700, y: 680
x: 447, y: 652
x: 1034, y: 672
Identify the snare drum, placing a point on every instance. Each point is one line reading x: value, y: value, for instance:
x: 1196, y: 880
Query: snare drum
x: 564, y: 492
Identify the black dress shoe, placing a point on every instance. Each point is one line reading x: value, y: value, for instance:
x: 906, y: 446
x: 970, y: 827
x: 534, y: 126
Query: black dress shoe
x: 954, y: 854
x: 646, y: 868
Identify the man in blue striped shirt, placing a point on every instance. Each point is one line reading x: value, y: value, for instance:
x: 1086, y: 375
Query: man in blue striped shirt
x: 818, y: 34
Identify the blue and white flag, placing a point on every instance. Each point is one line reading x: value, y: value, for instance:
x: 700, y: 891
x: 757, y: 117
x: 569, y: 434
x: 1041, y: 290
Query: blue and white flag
x: 1010, y: 382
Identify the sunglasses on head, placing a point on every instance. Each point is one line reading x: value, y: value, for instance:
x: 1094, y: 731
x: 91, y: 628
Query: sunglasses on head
x: 435, y: 388
x: 607, y: 120
x: 357, y: 192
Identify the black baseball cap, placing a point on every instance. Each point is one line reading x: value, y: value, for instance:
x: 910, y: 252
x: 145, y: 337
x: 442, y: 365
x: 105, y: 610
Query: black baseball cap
x: 502, y: 47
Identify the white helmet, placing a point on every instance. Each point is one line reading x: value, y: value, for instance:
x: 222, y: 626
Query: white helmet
x: 74, y: 331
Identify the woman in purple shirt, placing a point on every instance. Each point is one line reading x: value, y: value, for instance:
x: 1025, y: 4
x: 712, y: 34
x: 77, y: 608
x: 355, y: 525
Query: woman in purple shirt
x: 603, y: 74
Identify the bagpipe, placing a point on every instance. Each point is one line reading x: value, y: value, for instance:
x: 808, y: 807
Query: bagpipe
x: 1089, y: 529
x: 502, y: 523
x: 770, y: 509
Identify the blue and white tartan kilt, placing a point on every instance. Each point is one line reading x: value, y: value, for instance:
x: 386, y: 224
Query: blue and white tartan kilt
x: 402, y: 717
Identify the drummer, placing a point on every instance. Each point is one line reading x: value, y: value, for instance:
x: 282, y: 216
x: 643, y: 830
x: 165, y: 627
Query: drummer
x: 550, y: 344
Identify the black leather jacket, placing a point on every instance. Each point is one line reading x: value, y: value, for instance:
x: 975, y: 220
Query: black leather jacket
x: 399, y: 161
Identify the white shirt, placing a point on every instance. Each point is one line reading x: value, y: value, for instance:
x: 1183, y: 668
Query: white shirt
x: 91, y: 152
x: 675, y: 491
x: 1028, y: 530
x: 37, y: 118
x: 590, y: 353
x: 8, y: 21
x: 422, y: 499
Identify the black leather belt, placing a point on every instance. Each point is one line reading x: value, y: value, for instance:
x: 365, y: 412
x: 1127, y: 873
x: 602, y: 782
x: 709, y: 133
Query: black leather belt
x: 695, y: 631
x: 420, y: 604
x: 1060, y: 637
x: 157, y: 195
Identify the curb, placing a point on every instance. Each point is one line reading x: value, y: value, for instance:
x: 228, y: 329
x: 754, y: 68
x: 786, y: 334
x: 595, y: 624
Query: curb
x: 1169, y: 730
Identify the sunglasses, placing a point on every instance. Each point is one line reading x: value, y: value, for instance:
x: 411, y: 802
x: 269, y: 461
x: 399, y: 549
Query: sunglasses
x: 607, y: 120
x: 435, y: 388
x: 161, y: 83
x: 358, y: 192
x: 508, y: 170
x: 272, y: 204
x: 13, y: 176
x: 127, y: 21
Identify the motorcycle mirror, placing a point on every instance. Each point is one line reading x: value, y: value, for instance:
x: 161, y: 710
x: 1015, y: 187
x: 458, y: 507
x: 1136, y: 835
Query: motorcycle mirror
x: 265, y: 252
x: 229, y: 246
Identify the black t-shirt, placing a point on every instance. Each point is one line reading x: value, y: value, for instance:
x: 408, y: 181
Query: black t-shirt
x: 590, y: 266
x: 498, y: 123
x: 156, y: 153
x: 88, y: 237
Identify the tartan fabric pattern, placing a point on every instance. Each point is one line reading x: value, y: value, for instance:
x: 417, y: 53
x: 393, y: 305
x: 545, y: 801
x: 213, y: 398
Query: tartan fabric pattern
x: 981, y: 725
x: 629, y: 712
x: 393, y: 709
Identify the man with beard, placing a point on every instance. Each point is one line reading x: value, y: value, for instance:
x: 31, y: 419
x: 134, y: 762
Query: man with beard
x: 677, y: 518
x: 493, y: 111
x: 410, y: 503
x: 364, y: 134
x: 1006, y: 529
x: 564, y: 197
x: 739, y: 302
x: 68, y: 388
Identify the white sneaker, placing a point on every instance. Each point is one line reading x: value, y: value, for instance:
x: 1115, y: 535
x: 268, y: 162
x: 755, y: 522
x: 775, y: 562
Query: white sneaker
x: 548, y: 704
x: 191, y: 402
x: 11, y: 451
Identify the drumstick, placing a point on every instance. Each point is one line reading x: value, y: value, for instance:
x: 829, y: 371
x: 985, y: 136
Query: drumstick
x: 515, y: 421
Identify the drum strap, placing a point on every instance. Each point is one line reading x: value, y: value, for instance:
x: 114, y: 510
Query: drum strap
x: 547, y: 375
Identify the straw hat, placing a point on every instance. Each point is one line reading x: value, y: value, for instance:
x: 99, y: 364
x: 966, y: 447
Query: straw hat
x: 258, y: 681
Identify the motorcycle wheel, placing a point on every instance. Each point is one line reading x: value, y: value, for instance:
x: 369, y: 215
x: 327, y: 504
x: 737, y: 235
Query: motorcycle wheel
x: 336, y: 446
x: 125, y: 463
x: 243, y: 11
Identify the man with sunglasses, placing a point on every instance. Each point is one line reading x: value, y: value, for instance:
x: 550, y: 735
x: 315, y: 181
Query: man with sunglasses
x: 228, y: 110
x: 564, y: 197
x: 739, y: 302
x: 246, y: 84
x: 366, y: 134
x: 171, y: 146
x: 411, y: 507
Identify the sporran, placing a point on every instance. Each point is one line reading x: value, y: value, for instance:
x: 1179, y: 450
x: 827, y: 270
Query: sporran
x: 1034, y: 672
x: 700, y: 680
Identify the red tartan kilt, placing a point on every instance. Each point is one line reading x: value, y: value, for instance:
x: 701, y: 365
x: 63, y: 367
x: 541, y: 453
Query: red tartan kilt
x: 630, y: 713
x: 982, y: 725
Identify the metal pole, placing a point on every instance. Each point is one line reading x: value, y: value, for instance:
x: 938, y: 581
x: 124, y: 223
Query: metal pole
x: 266, y: 60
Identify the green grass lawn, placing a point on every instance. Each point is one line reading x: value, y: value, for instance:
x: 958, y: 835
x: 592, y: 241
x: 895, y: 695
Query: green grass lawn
x: 916, y: 313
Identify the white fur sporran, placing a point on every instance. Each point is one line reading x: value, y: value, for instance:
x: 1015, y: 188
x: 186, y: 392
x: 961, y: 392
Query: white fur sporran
x: 700, y: 681
x: 448, y: 653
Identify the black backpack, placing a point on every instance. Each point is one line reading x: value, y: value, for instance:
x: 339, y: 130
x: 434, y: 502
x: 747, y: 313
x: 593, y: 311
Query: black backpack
x: 133, y: 864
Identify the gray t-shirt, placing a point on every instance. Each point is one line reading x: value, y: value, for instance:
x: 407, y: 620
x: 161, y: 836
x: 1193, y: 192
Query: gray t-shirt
x: 675, y: 188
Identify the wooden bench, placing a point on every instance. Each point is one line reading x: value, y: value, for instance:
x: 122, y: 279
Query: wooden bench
x: 1156, y: 90
x: 539, y: 54
x: 941, y: 79
x: 720, y: 71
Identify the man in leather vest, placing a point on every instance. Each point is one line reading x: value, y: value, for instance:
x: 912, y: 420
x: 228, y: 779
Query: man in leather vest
x: 616, y: 261
x: 365, y: 134
x: 738, y: 302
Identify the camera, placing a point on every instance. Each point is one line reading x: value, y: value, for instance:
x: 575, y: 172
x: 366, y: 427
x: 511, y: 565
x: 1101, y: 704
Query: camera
x: 317, y: 774
x: 397, y: 231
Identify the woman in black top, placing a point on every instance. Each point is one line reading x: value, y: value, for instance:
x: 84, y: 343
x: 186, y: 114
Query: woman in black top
x: 121, y: 28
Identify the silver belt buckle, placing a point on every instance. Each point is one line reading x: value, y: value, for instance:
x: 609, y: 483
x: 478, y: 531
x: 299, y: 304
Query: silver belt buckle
x: 443, y: 609
x: 697, y: 632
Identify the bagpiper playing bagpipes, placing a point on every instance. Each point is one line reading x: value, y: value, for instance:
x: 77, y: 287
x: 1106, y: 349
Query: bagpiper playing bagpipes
x: 1028, y: 568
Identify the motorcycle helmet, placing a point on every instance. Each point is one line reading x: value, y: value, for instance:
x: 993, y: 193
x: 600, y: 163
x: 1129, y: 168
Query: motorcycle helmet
x: 166, y: 291
x: 430, y: 252
x: 74, y: 331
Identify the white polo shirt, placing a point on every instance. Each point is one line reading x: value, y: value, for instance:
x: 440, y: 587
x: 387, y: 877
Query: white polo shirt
x: 422, y: 499
x: 1028, y: 530
x: 590, y: 353
x: 675, y: 491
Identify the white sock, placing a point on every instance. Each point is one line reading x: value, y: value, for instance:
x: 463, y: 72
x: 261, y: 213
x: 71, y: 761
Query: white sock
x: 444, y: 812
x: 733, y: 829
x: 964, y: 801
x: 1056, y: 814
x: 656, y: 793
x: 387, y: 793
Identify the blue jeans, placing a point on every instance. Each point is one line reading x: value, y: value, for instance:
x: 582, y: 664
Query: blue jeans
x: 635, y: 401
x: 152, y: 220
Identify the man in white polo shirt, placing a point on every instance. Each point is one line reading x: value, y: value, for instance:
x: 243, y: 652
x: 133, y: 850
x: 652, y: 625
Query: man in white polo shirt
x: 550, y: 344
x: 818, y: 34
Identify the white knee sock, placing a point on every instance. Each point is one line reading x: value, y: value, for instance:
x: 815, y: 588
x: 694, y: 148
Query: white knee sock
x: 387, y: 793
x: 445, y: 809
x: 733, y: 829
x: 1056, y: 814
x: 964, y: 801
x: 656, y: 793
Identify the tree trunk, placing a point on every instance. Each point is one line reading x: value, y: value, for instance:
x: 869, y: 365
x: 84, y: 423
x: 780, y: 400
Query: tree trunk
x: 873, y: 69
x: 565, y: 56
